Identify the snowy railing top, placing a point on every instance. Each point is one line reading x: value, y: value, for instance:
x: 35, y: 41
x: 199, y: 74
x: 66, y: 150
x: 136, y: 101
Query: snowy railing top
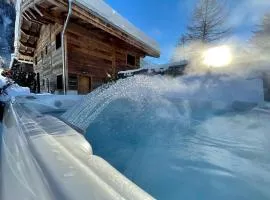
x: 103, y: 10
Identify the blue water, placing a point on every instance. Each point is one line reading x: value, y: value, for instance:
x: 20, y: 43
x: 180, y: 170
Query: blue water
x: 181, y: 149
x: 191, y: 137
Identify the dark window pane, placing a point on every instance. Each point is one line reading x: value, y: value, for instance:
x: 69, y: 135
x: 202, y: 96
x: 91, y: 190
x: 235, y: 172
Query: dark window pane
x: 130, y: 60
x: 58, y: 42
x: 59, y: 84
x: 72, y: 82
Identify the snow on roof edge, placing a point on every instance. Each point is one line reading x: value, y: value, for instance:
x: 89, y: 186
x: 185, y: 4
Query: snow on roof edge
x: 167, y: 65
x: 157, y: 67
x: 103, y: 10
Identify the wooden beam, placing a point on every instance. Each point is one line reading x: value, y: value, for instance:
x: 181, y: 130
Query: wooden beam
x: 38, y: 11
x: 31, y: 18
x: 56, y: 3
x: 43, y: 15
x: 27, y: 17
x: 30, y: 33
x: 33, y: 46
x: 51, y: 17
x: 26, y: 54
x: 37, y: 19
x: 31, y: 13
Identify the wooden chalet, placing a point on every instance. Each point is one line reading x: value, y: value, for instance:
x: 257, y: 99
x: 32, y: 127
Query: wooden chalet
x: 96, y: 44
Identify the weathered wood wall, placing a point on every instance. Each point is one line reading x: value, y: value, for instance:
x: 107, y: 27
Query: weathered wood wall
x: 48, y: 62
x: 96, y: 54
x: 91, y: 53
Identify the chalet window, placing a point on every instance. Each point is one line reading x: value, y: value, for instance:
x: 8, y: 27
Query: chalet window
x: 59, y: 82
x: 131, y: 60
x: 36, y: 60
x: 58, y: 42
x: 72, y: 82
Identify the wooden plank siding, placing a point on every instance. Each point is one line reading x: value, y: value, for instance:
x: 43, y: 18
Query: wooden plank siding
x: 91, y: 53
x: 96, y: 50
x: 48, y: 59
x: 97, y: 55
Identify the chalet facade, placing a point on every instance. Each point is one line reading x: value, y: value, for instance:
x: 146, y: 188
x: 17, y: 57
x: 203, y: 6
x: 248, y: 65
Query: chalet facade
x: 77, y: 46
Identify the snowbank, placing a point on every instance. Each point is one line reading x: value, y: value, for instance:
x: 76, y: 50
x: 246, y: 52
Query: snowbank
x: 12, y: 91
x: 45, y: 103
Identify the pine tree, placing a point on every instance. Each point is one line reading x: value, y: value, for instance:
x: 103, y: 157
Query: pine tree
x: 207, y: 25
x: 208, y: 22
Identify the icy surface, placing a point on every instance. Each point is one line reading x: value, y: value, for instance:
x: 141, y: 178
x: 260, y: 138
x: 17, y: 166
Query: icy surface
x: 106, y: 12
x: 44, y: 159
x: 193, y: 137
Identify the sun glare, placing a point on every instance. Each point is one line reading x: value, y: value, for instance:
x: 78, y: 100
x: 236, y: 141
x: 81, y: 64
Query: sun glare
x: 217, y: 57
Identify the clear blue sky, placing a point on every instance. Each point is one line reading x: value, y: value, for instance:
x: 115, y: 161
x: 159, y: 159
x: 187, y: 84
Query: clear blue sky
x: 166, y: 20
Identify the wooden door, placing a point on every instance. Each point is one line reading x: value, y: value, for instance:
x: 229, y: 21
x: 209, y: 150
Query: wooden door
x: 84, y: 85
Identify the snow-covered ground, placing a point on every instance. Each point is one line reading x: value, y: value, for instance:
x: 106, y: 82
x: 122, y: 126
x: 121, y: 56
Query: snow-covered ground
x: 11, y: 91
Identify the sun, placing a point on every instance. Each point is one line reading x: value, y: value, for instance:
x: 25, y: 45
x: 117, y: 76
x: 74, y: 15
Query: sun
x: 217, y: 56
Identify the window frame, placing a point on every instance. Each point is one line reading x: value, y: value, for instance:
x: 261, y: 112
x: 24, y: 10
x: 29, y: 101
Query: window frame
x: 133, y: 64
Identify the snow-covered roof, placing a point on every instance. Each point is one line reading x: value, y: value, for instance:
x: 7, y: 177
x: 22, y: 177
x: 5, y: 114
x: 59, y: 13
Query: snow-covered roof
x: 157, y: 67
x: 130, y: 71
x: 154, y: 68
x: 167, y: 65
x: 104, y: 11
